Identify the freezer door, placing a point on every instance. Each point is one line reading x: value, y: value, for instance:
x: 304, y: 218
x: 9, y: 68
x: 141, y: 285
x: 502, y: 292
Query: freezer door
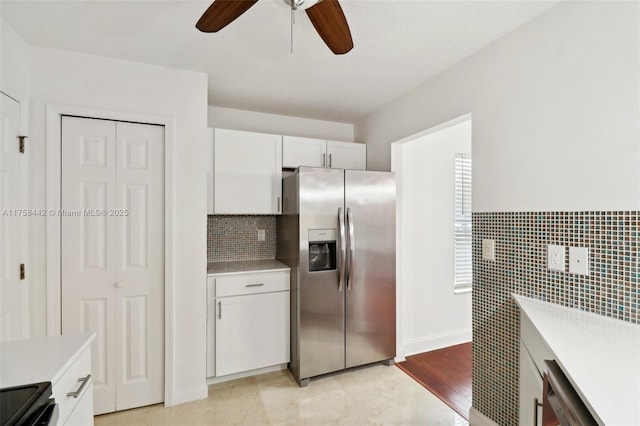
x: 371, y: 284
x: 321, y: 301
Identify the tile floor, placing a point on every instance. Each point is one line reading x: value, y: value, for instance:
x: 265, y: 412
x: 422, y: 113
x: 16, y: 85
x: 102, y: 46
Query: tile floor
x: 377, y: 395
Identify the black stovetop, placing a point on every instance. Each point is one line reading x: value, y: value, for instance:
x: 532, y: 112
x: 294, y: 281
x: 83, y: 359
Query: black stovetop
x: 18, y: 403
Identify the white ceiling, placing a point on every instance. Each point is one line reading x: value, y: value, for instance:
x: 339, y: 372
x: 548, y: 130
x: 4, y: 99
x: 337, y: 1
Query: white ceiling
x: 399, y: 44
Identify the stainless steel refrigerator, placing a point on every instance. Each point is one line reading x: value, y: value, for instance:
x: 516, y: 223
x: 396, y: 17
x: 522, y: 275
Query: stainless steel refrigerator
x: 337, y: 233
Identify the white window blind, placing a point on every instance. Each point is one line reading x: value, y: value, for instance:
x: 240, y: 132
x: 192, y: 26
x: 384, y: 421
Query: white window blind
x: 463, y: 264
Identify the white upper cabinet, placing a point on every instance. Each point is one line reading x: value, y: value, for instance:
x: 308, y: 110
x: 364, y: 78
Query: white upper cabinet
x: 298, y: 152
x: 210, y: 177
x: 247, y: 172
x: 346, y: 155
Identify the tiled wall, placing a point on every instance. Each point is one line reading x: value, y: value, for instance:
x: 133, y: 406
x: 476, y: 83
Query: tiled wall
x: 236, y: 238
x: 611, y: 289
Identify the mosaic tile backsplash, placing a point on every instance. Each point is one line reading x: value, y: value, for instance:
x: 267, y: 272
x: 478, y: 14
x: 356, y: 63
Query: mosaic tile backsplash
x: 232, y: 237
x: 611, y: 289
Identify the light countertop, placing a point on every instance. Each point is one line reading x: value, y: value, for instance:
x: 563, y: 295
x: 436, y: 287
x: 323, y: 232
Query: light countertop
x: 43, y: 359
x: 599, y: 355
x: 244, y: 266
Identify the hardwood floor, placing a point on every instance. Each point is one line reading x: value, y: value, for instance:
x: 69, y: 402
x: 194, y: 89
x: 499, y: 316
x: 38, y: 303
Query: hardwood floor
x: 446, y: 373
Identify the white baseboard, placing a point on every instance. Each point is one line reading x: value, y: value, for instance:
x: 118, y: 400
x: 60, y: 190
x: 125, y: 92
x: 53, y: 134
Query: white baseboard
x: 476, y: 418
x: 193, y: 395
x: 214, y: 380
x: 438, y: 341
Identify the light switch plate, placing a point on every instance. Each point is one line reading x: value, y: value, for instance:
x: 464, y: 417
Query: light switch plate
x: 489, y: 249
x: 579, y: 260
x: 555, y: 257
x: 261, y: 235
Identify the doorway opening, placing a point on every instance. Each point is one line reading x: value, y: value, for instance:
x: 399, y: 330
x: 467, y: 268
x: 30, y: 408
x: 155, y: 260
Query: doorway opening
x: 434, y: 237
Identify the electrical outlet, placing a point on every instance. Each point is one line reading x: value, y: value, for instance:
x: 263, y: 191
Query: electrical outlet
x: 555, y: 257
x: 261, y: 235
x: 579, y: 260
x: 489, y: 249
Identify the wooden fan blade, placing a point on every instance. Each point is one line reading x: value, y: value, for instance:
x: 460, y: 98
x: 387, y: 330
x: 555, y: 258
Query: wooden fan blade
x: 329, y: 21
x: 221, y: 13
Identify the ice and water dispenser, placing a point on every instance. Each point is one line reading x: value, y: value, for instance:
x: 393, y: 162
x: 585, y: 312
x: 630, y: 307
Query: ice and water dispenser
x: 322, y: 250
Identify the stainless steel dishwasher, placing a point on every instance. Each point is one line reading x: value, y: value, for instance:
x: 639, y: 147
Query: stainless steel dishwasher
x: 561, y: 404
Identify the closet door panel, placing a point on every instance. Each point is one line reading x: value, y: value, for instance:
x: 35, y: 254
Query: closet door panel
x: 139, y: 266
x: 88, y: 242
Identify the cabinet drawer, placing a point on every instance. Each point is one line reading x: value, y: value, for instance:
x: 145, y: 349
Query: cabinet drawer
x: 70, y: 382
x: 237, y: 285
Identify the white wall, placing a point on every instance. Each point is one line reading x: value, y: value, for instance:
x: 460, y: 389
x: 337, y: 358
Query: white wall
x: 556, y: 112
x: 236, y: 119
x: 433, y: 316
x: 14, y: 82
x: 70, y: 79
x: 14, y: 63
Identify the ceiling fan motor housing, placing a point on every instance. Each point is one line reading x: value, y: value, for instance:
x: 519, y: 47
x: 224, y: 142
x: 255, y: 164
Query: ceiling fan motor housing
x: 301, y: 4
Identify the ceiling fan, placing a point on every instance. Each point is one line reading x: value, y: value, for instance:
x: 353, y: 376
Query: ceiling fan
x: 325, y: 15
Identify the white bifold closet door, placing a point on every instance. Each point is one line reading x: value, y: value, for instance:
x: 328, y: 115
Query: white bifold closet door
x: 113, y: 255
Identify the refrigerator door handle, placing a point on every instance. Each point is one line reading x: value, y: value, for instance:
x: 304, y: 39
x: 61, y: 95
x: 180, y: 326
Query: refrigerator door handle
x: 351, y: 245
x: 343, y: 249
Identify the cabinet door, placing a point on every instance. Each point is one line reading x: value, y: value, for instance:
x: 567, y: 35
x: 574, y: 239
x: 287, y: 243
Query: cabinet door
x: 248, y: 173
x: 298, y: 152
x: 530, y: 388
x: 346, y: 155
x: 251, y: 332
x: 211, y: 327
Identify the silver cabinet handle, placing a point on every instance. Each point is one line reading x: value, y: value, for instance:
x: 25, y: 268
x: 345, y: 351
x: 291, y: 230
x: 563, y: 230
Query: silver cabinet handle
x: 255, y: 285
x: 84, y: 381
x: 536, y: 404
x: 352, y: 243
x: 278, y: 204
x: 343, y: 249
x: 323, y: 159
x: 330, y: 158
x: 219, y: 310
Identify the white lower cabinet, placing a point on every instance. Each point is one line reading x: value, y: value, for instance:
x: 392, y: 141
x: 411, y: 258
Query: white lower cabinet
x: 82, y: 414
x: 73, y: 392
x: 211, y: 327
x: 65, y: 361
x: 248, y: 326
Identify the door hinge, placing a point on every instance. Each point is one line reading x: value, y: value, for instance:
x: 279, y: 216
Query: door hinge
x: 22, y: 274
x: 21, y: 143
